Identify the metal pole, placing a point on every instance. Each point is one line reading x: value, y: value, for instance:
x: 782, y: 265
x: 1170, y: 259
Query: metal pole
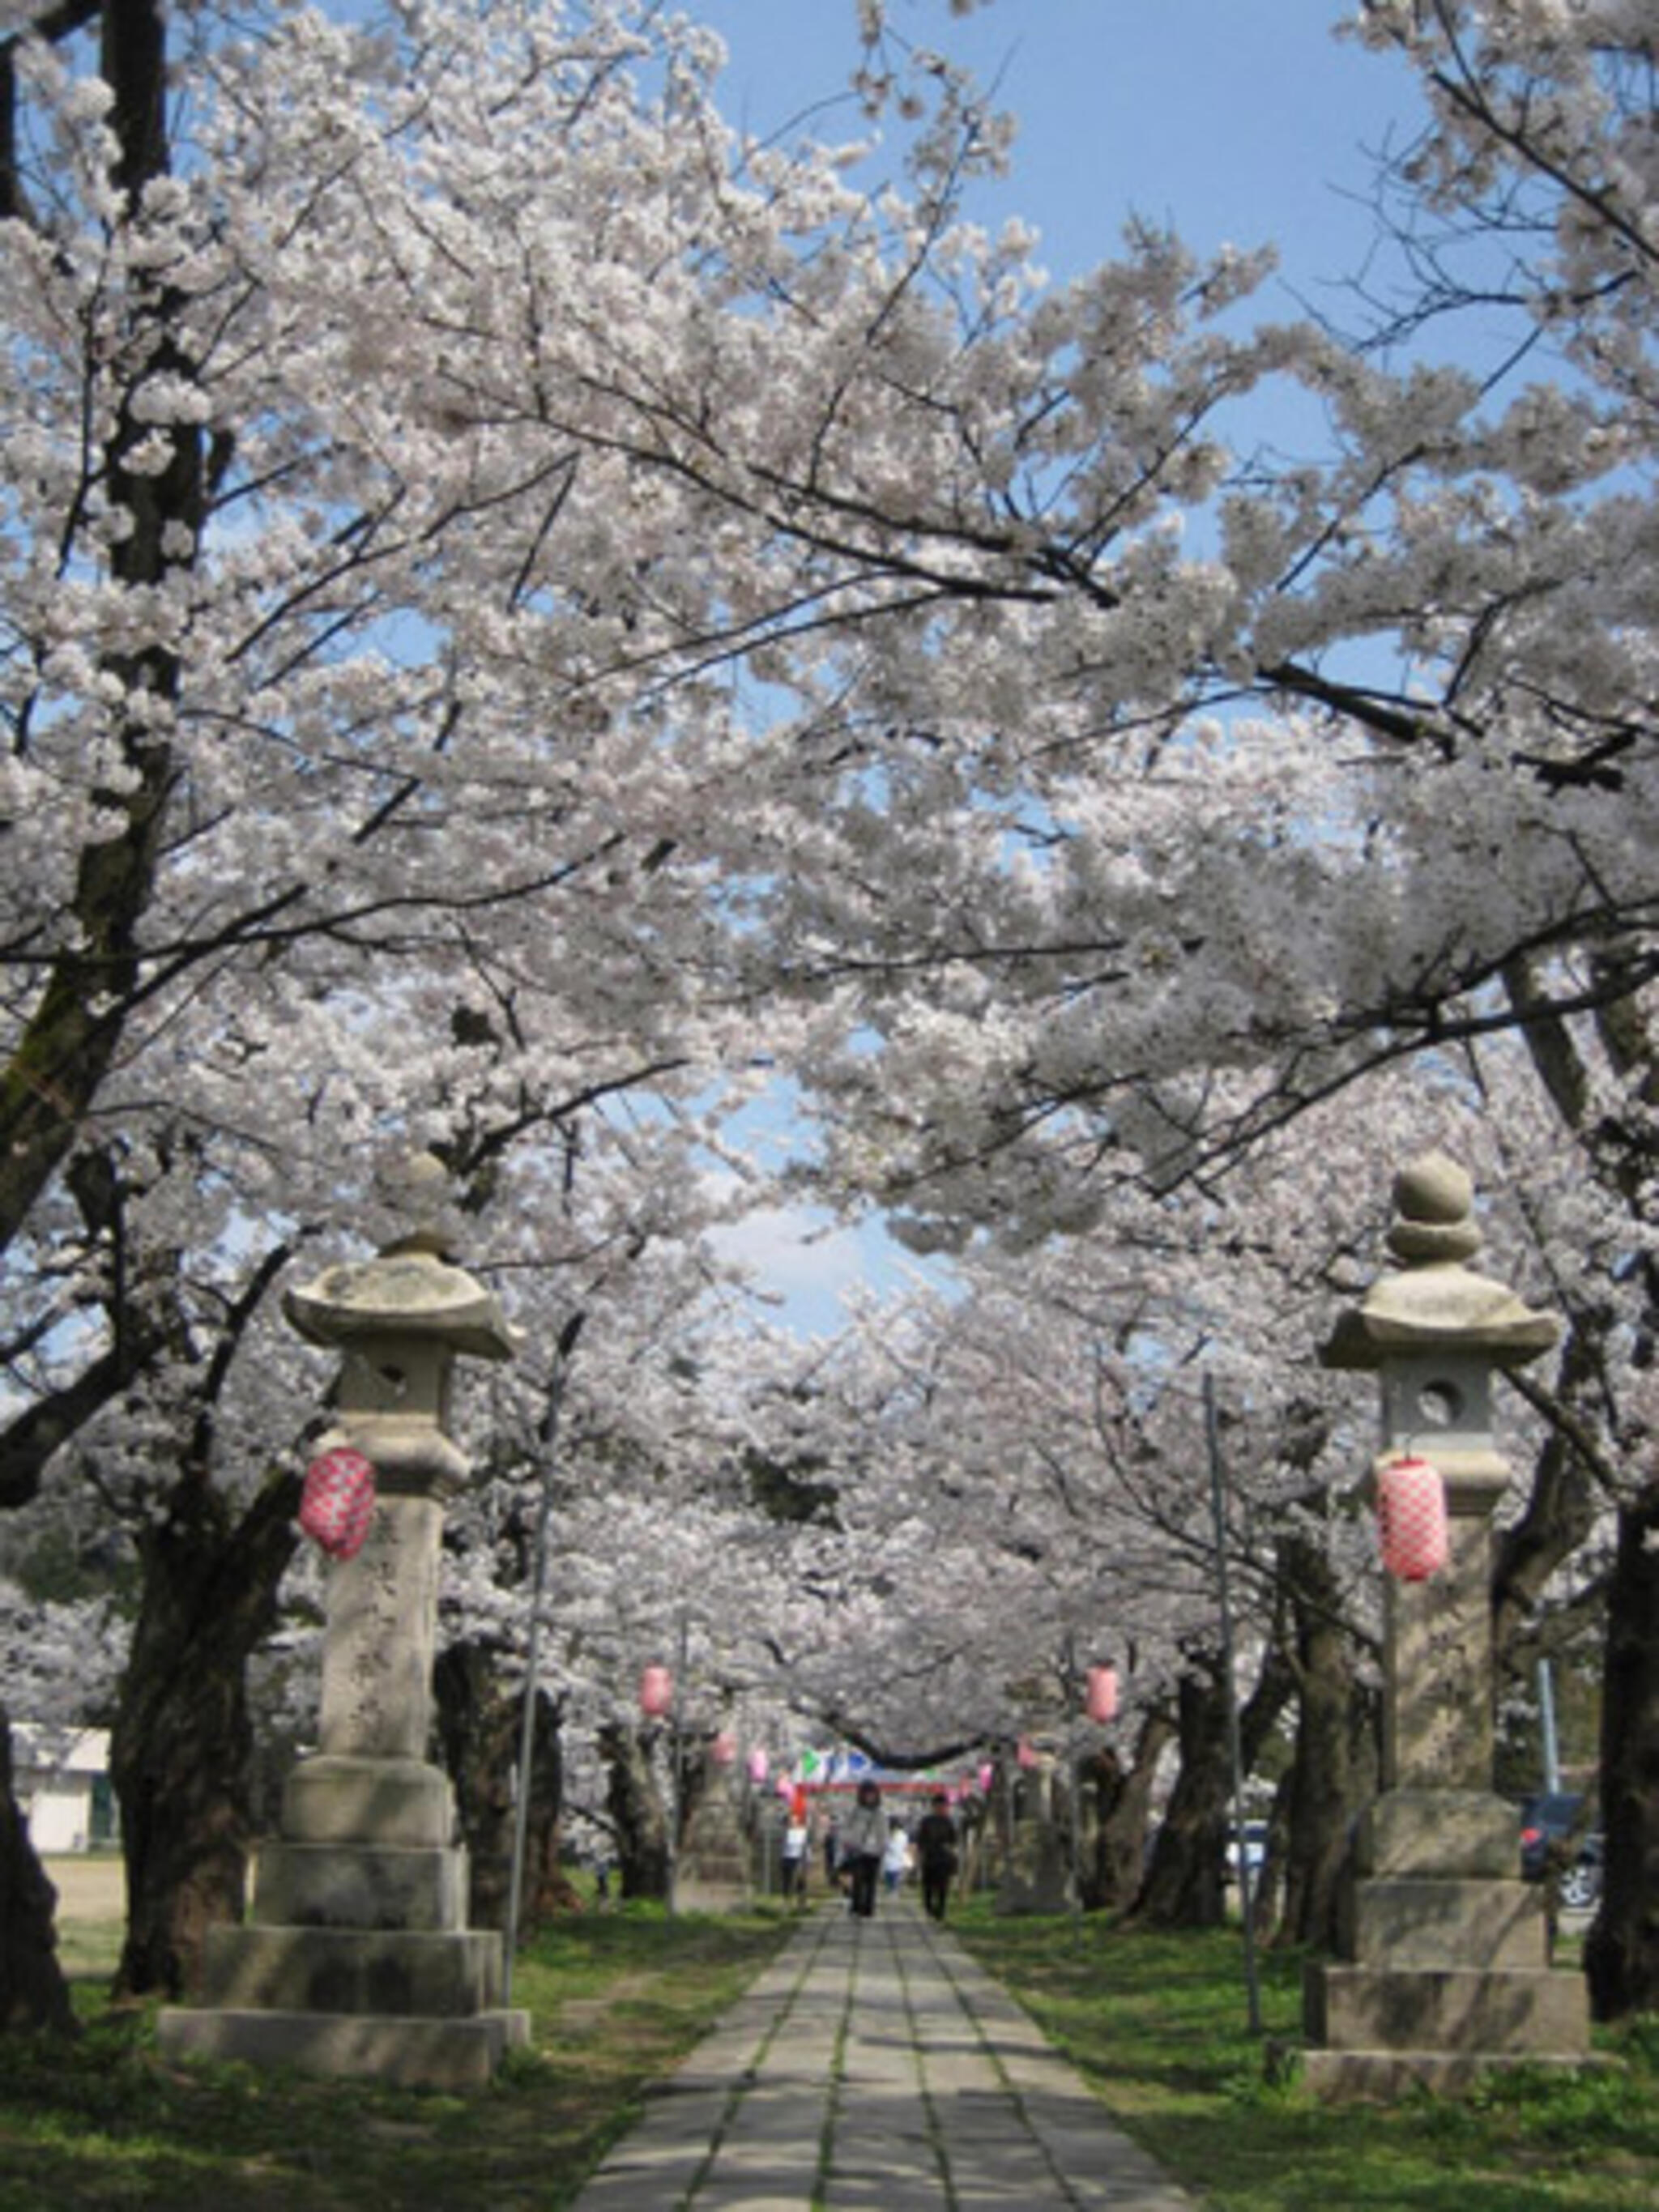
x: 1547, y: 1727
x: 1075, y: 1762
x: 674, y: 1766
x: 549, y: 1440
x: 1235, y: 1744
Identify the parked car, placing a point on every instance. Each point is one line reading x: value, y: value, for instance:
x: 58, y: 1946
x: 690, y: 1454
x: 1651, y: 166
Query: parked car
x: 1255, y: 1848
x: 1555, y: 1837
x: 1580, y: 1886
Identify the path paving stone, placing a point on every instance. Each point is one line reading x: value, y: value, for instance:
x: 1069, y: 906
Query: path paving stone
x: 946, y: 2097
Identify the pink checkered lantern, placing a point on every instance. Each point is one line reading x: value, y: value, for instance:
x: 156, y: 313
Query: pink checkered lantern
x: 337, y: 1501
x: 1411, y: 1518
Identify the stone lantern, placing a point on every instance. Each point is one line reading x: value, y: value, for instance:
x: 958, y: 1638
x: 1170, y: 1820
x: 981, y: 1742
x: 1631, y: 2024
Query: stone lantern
x: 1444, y: 1971
x: 357, y: 1958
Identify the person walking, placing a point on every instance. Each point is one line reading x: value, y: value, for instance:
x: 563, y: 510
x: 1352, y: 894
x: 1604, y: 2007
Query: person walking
x: 896, y: 1859
x: 863, y: 1840
x: 936, y: 1847
x: 794, y: 1861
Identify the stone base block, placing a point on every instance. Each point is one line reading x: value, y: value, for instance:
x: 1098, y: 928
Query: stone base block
x: 1380, y: 2076
x: 1459, y: 1834
x: 333, y: 1969
x: 398, y: 1801
x: 700, y: 1892
x: 360, y: 1886
x: 1424, y: 1923
x: 437, y: 2054
x: 1458, y: 2011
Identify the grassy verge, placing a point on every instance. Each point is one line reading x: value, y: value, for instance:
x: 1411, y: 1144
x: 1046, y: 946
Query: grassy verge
x: 1159, y: 2027
x: 616, y: 1998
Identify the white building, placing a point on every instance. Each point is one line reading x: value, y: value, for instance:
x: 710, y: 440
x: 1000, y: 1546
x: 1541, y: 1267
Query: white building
x: 60, y: 1777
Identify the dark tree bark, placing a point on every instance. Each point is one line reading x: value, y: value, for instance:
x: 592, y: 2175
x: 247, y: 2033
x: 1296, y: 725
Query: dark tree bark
x: 638, y: 1818
x: 1334, y: 1769
x: 33, y: 1994
x: 480, y: 1726
x: 73, y: 1032
x: 1183, y: 1887
x: 1621, y: 1954
x: 1123, y: 1794
x: 181, y: 1748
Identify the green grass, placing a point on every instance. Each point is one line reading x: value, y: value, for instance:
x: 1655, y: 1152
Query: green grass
x: 617, y: 1999
x: 1156, y: 2024
x: 1159, y: 2026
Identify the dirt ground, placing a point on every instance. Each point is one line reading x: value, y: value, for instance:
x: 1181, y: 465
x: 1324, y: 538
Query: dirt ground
x: 89, y: 1887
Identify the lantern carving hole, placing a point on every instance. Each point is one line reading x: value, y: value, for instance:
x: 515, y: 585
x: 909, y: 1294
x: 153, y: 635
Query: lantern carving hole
x: 1440, y: 1403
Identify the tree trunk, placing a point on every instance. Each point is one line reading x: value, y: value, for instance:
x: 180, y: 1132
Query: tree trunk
x: 1334, y: 1771
x: 1183, y: 1887
x: 480, y: 1725
x: 1124, y: 1796
x: 181, y: 1748
x: 639, y: 1819
x: 33, y: 1994
x: 1621, y: 1954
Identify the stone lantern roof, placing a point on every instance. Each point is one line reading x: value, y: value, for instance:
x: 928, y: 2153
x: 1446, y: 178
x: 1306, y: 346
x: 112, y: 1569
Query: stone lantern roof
x: 411, y: 1288
x: 1433, y: 1301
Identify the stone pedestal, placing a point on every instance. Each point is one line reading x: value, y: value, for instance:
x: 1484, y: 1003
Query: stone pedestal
x: 356, y: 1958
x: 712, y: 1873
x: 1036, y: 1876
x: 1442, y: 1972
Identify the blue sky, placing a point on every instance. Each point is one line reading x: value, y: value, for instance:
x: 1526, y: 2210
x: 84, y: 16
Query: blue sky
x: 1237, y: 122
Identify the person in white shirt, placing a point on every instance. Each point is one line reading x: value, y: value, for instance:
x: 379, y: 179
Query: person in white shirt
x: 794, y: 1861
x: 896, y: 1859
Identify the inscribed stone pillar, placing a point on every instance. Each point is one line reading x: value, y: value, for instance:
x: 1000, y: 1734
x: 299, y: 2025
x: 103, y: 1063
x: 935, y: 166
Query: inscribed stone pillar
x: 1444, y: 1969
x: 357, y: 1958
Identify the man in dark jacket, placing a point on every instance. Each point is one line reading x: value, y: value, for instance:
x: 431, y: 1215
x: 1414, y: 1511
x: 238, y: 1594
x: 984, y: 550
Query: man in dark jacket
x: 936, y: 1847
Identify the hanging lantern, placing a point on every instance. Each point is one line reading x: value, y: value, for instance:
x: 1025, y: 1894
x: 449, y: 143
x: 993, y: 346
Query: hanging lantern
x: 725, y: 1748
x: 1024, y: 1755
x: 987, y: 1775
x: 336, y: 1503
x: 798, y: 1803
x: 758, y: 1765
x: 1411, y: 1518
x: 656, y: 1693
x: 786, y: 1788
x: 1100, y: 1700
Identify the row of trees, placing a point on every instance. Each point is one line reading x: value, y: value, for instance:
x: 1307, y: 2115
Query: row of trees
x: 526, y: 613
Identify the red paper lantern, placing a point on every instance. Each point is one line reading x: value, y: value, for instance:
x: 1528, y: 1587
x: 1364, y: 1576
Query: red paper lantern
x: 337, y: 1501
x: 656, y: 1693
x: 725, y: 1748
x: 1101, y: 1700
x: 1411, y: 1518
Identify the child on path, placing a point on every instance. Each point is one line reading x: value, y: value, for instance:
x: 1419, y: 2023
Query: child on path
x: 896, y: 1859
x: 794, y: 1861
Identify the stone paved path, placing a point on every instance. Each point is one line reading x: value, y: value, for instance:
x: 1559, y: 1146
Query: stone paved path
x: 875, y: 2064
